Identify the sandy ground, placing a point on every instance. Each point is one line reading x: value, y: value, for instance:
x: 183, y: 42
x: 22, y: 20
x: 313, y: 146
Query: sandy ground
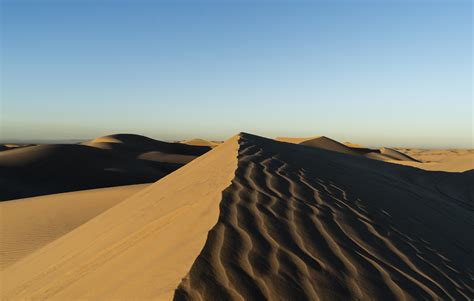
x: 259, y: 219
x: 303, y: 223
x: 28, y: 224
x: 114, y: 160
x: 138, y: 249
x: 452, y: 160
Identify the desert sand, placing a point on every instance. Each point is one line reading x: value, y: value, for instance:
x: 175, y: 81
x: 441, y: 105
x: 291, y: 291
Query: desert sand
x: 28, y: 224
x: 201, y: 142
x: 259, y: 219
x: 114, y: 160
x: 138, y: 249
x: 453, y: 160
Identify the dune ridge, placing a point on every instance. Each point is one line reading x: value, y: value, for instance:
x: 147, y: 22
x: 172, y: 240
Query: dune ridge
x: 257, y: 219
x: 308, y: 224
x: 137, y: 250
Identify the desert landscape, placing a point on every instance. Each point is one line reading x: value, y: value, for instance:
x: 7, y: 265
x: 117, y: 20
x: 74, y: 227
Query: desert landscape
x: 240, y: 150
x: 250, y: 218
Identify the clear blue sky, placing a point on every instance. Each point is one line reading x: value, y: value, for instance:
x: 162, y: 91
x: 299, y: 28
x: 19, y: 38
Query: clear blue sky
x: 372, y: 72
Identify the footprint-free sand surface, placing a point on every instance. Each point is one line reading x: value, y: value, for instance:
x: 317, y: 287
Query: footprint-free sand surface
x: 115, y: 160
x: 28, y: 224
x: 138, y: 249
x: 259, y: 219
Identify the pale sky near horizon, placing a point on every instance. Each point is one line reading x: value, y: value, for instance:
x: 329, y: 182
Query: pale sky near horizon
x: 393, y: 73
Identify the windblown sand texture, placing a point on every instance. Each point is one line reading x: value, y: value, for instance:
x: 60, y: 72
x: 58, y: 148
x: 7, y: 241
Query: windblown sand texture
x: 258, y: 219
x: 307, y: 224
x: 137, y: 250
x: 28, y: 224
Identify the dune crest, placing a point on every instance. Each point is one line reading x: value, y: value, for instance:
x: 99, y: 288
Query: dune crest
x: 306, y: 224
x: 138, y: 249
x: 257, y: 219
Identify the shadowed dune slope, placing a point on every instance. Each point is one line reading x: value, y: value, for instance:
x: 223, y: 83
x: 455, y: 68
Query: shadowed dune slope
x: 46, y: 169
x: 302, y: 223
x: 137, y: 250
x: 113, y: 160
x: 28, y: 224
x: 257, y: 219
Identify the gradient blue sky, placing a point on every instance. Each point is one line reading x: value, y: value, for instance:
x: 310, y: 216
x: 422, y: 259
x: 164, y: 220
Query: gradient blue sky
x: 395, y: 73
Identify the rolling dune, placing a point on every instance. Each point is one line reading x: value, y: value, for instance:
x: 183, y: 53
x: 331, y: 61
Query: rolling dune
x: 201, y: 142
x: 113, y: 160
x: 304, y: 224
x: 322, y: 142
x: 136, y: 144
x: 137, y: 250
x: 452, y: 160
x: 46, y: 169
x: 257, y: 219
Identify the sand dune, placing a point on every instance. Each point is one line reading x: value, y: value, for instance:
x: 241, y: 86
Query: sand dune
x: 306, y: 224
x: 45, y: 169
x: 28, y: 224
x: 452, y: 160
x: 139, y: 249
x: 137, y: 144
x: 165, y: 156
x: 201, y: 142
x: 256, y: 219
x: 322, y: 142
x: 114, y: 160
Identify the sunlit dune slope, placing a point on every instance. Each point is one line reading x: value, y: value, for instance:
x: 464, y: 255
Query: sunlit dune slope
x: 139, y: 249
x: 257, y: 219
x: 201, y: 142
x: 28, y: 224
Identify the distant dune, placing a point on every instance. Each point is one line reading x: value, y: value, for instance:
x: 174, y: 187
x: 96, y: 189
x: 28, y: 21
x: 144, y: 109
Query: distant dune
x: 136, y: 144
x: 114, y: 160
x: 28, y: 224
x: 322, y: 142
x: 441, y: 160
x: 257, y: 219
x: 201, y: 142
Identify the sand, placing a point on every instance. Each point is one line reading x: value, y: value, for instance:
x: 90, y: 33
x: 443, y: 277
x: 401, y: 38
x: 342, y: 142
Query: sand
x: 322, y: 142
x: 47, y: 169
x: 258, y: 219
x: 201, y: 142
x: 451, y: 160
x: 138, y: 249
x: 114, y: 160
x: 28, y: 224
